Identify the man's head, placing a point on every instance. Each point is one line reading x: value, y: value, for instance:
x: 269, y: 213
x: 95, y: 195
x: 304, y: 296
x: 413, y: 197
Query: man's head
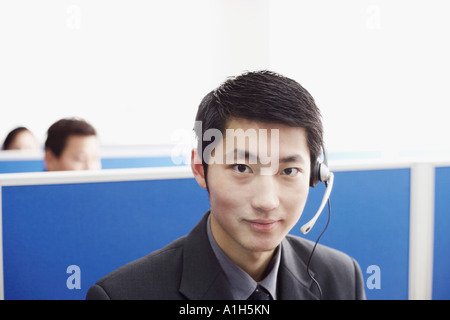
x: 251, y: 210
x: 265, y: 97
x: 72, y: 144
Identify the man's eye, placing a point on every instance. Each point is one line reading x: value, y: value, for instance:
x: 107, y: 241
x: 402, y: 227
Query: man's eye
x: 290, y: 171
x: 242, y: 168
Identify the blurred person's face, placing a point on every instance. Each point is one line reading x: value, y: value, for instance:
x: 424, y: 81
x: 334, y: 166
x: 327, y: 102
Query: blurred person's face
x: 24, y: 140
x: 80, y: 153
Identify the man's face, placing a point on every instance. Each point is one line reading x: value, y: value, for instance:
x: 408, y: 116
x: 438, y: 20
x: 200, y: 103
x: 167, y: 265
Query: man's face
x: 80, y: 153
x: 252, y: 210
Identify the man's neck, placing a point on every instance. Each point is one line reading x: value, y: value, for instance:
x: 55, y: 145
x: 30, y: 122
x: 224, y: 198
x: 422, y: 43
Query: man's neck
x: 254, y: 263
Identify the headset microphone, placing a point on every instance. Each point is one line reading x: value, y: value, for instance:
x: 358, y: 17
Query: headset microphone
x: 308, y: 226
x: 323, y: 174
x: 320, y: 172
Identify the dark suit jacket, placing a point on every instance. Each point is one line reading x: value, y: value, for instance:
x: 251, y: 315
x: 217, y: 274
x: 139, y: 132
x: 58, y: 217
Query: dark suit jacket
x: 188, y: 269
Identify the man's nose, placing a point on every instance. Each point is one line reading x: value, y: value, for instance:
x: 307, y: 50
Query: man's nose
x: 265, y: 194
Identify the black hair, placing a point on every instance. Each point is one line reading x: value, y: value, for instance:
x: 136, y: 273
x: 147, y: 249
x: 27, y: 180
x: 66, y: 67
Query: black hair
x: 262, y: 96
x: 61, y: 130
x: 11, y: 136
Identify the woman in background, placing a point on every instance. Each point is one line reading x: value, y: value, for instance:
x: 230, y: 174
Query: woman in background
x: 20, y: 139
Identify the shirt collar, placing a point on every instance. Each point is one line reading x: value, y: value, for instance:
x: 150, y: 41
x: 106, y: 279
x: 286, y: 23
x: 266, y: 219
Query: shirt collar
x: 242, y: 284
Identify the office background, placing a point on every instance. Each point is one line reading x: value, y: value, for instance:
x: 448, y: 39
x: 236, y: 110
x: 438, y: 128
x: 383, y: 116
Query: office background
x: 379, y: 70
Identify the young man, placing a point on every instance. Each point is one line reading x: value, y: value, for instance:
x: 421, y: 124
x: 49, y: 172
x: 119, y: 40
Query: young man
x: 72, y: 144
x: 259, y: 137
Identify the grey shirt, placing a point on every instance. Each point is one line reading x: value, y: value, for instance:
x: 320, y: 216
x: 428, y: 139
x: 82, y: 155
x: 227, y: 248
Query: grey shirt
x: 242, y: 284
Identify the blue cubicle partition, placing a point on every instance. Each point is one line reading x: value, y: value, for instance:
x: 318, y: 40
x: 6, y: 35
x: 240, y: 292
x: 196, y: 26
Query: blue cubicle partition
x: 13, y: 166
x: 36, y: 165
x: 103, y: 225
x: 370, y: 222
x: 95, y: 226
x: 138, y: 162
x: 112, y: 157
x: 441, y: 254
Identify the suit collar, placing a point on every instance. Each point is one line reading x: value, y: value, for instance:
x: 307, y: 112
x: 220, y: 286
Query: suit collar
x: 203, y: 278
x: 293, y: 280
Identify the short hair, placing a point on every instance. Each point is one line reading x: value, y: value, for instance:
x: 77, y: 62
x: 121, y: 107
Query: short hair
x: 61, y: 130
x: 11, y: 136
x: 262, y: 96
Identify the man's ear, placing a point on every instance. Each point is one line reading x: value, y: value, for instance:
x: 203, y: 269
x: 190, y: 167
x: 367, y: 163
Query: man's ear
x: 197, y: 169
x: 50, y: 160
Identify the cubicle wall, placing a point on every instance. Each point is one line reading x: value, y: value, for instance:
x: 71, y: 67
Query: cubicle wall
x: 95, y: 222
x: 112, y: 157
x: 441, y: 266
x: 370, y: 222
x: 65, y: 229
x: 15, y: 161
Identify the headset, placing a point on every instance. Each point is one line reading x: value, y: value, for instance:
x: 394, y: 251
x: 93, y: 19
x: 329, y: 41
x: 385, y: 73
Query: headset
x: 320, y: 173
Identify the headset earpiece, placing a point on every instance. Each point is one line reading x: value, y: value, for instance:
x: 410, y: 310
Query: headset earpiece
x: 315, y: 174
x: 320, y: 172
x: 324, y: 173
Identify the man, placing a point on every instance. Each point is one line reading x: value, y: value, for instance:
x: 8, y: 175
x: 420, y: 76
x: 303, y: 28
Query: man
x: 257, y: 190
x: 72, y: 144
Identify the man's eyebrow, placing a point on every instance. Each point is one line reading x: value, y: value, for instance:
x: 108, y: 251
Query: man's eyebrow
x: 293, y: 158
x: 248, y: 155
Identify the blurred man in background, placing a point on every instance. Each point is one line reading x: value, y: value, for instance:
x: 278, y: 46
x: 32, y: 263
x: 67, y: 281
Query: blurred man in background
x: 72, y: 144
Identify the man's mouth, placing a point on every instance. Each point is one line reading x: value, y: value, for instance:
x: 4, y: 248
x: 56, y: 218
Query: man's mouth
x: 263, y: 225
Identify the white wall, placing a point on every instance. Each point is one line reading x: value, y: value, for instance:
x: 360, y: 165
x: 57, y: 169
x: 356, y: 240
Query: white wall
x: 137, y: 70
x: 379, y: 70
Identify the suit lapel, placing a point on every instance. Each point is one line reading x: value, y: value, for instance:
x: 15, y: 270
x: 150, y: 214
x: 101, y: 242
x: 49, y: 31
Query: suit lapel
x: 293, y: 280
x: 202, y: 276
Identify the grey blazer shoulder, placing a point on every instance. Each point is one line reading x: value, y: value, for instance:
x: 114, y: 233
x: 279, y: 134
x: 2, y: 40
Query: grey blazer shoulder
x: 338, y: 274
x: 188, y: 269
